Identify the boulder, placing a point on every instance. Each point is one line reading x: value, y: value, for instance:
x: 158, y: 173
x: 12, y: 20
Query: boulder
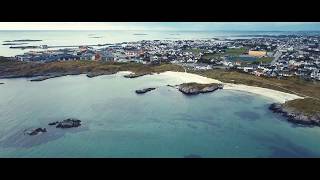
x: 134, y: 75
x: 53, y: 123
x: 36, y: 131
x: 69, y: 123
x: 276, y: 108
x: 142, y: 91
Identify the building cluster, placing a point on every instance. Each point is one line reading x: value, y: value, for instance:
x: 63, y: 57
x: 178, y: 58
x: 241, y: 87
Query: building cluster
x: 291, y: 55
x: 294, y: 55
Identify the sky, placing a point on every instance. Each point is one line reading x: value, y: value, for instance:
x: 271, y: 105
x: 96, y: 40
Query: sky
x: 165, y: 26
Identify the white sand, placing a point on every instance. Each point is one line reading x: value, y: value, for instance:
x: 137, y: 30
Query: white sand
x: 277, y: 96
x: 183, y: 77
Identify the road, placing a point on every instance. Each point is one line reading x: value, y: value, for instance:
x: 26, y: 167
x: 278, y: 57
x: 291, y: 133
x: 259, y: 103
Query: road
x: 277, y: 55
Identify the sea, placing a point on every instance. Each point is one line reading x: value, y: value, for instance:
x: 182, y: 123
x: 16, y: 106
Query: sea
x: 117, y: 122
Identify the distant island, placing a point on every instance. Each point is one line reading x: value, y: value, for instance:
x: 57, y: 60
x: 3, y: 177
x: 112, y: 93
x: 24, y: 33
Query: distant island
x: 13, y: 44
x: 140, y: 34
x: 23, y: 40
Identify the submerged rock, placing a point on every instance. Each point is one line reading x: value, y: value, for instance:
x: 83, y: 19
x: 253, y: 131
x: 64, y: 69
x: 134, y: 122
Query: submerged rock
x: 36, y: 131
x: 67, y: 123
x: 276, y: 107
x: 42, y: 78
x: 295, y: 116
x: 53, y: 123
x: 134, y: 75
x: 195, y: 88
x: 142, y: 91
x: 94, y: 74
x: 173, y: 86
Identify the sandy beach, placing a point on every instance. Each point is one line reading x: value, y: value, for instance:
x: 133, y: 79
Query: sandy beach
x: 277, y: 96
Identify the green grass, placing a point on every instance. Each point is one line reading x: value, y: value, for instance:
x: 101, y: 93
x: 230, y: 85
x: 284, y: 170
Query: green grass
x: 308, y: 106
x: 209, y: 56
x: 34, y: 69
x: 235, y: 51
x: 293, y: 85
x: 265, y: 60
x: 229, y: 52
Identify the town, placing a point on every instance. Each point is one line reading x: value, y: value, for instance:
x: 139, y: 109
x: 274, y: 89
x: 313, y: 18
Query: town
x: 270, y: 56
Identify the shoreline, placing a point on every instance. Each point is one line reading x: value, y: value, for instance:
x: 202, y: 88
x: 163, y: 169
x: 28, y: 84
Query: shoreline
x: 185, y: 77
x: 276, y: 96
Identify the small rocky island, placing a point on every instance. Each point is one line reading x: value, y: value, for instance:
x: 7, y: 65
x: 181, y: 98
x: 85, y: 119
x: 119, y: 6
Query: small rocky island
x: 36, y: 131
x: 142, y: 91
x: 294, y: 116
x: 196, y: 88
x: 1, y: 83
x: 67, y: 123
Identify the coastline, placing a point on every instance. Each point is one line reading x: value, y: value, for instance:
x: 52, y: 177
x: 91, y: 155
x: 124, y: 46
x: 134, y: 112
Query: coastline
x: 184, y: 77
x: 276, y: 96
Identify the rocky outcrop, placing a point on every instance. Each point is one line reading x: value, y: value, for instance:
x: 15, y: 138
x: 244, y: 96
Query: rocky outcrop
x: 53, y: 123
x: 67, y: 123
x: 142, y: 91
x: 294, y: 116
x: 173, y: 86
x: 134, y: 75
x: 46, y: 77
x: 94, y: 74
x: 36, y: 131
x: 195, y: 88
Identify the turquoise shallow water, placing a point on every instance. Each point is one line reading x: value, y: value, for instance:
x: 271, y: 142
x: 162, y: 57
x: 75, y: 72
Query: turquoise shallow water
x: 162, y: 123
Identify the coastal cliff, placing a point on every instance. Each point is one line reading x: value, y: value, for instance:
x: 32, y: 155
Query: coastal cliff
x: 297, y: 115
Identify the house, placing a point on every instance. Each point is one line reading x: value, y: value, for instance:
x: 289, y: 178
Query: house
x: 154, y: 58
x: 248, y: 69
x: 134, y: 52
x: 315, y: 74
x: 237, y: 63
x: 96, y: 57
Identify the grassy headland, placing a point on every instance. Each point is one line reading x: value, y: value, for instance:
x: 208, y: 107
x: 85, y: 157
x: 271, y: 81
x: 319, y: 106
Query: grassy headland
x: 294, y: 85
x: 10, y: 69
